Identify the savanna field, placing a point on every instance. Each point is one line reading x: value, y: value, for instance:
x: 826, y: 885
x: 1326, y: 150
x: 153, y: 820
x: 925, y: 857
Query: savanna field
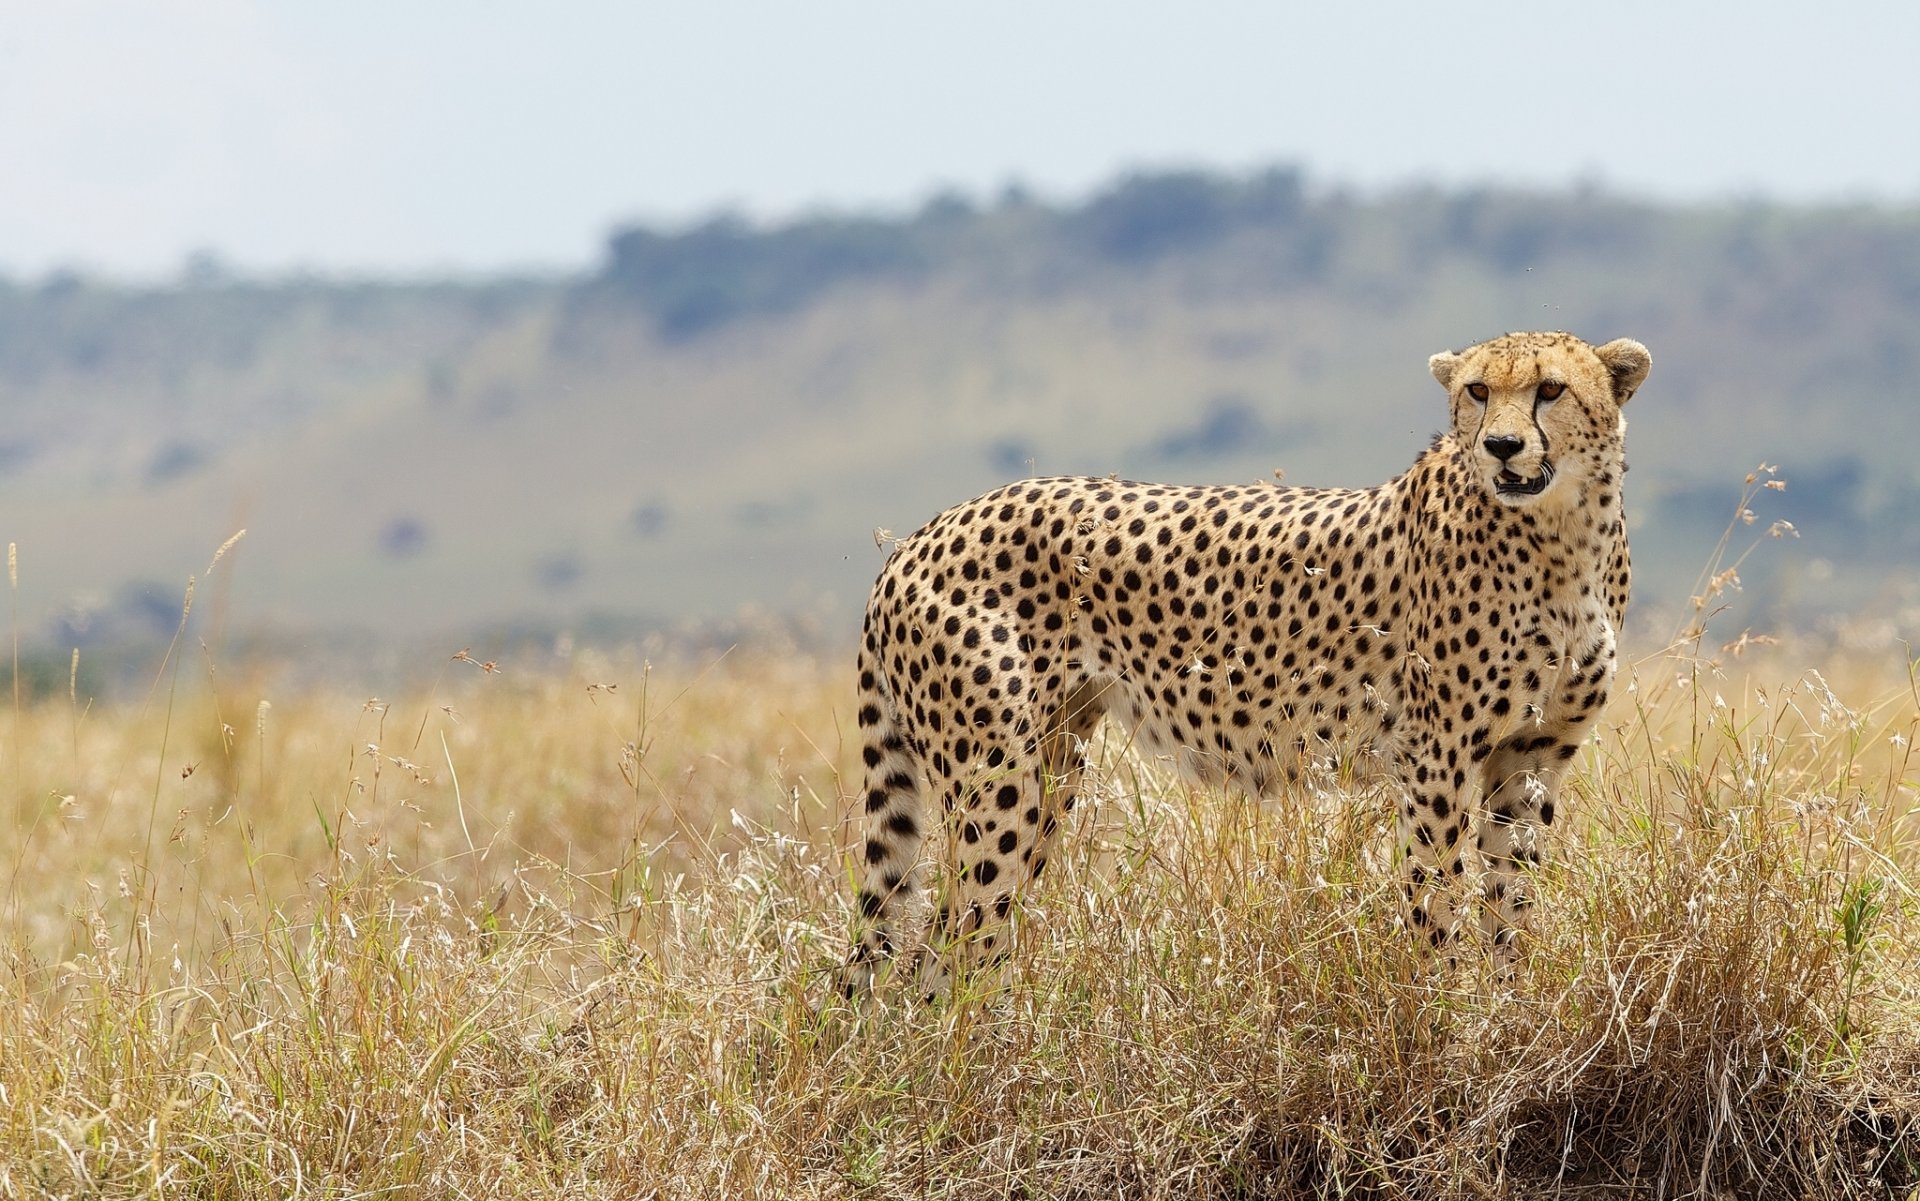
x: 486, y: 823
x: 564, y: 926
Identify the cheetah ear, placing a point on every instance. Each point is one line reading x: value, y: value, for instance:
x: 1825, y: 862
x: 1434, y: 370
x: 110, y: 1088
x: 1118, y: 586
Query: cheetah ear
x: 1628, y: 362
x: 1443, y: 366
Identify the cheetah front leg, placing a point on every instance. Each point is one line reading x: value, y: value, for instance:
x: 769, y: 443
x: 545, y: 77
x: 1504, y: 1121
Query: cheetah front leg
x: 1432, y: 820
x: 1522, y: 781
x: 1523, y: 786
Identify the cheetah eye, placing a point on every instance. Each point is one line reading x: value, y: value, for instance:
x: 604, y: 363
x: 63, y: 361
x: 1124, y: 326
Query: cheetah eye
x: 1549, y: 390
x: 1478, y: 392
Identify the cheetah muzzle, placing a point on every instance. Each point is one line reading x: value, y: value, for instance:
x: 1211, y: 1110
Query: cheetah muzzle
x: 1458, y: 620
x: 1511, y: 483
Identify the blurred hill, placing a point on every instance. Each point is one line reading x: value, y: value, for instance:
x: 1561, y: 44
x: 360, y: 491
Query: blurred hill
x: 714, y: 421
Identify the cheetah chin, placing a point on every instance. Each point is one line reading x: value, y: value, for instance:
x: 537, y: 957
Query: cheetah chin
x: 1511, y: 483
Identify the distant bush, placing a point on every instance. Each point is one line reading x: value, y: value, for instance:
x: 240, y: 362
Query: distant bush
x: 1146, y: 216
x: 1229, y: 424
x: 558, y: 572
x: 1011, y: 456
x: 16, y: 453
x: 174, y: 460
x: 649, y: 518
x: 138, y: 615
x: 45, y: 673
x: 725, y: 269
x: 1149, y: 215
x: 403, y: 538
x: 1515, y: 231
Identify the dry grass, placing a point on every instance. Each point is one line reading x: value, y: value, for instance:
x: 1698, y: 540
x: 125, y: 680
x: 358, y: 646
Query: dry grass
x: 527, y: 935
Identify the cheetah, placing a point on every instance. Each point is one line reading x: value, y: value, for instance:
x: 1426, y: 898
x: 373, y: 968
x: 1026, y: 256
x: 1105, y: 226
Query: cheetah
x: 1459, y: 620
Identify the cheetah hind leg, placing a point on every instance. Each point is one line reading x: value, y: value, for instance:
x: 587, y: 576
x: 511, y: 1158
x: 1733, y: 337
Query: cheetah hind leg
x: 1005, y: 832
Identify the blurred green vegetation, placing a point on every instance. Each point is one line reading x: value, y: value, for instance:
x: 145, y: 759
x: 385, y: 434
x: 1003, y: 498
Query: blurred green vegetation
x: 712, y: 422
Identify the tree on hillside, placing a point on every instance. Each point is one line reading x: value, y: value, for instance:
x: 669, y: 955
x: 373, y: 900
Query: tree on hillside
x: 725, y: 269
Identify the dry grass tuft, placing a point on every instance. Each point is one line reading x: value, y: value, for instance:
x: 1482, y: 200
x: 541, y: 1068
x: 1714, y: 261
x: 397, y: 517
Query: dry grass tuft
x: 568, y: 934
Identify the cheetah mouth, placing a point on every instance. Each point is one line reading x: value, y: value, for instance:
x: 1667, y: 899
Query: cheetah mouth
x: 1511, y: 483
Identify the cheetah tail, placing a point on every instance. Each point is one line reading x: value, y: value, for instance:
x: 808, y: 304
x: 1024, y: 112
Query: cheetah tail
x: 894, y: 827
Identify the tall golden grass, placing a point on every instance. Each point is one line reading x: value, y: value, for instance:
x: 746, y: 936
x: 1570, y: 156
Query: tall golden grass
x: 568, y: 930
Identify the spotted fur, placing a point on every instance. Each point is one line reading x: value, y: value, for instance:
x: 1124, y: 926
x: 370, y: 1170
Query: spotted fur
x: 1458, y: 621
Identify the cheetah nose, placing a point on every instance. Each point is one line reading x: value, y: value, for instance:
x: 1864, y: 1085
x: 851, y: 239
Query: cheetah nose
x: 1504, y: 447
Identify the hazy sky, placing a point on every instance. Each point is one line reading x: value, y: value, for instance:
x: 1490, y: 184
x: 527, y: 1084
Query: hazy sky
x: 353, y: 135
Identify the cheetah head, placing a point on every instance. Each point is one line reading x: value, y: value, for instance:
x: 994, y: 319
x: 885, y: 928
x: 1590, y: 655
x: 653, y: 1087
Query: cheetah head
x: 1539, y: 414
